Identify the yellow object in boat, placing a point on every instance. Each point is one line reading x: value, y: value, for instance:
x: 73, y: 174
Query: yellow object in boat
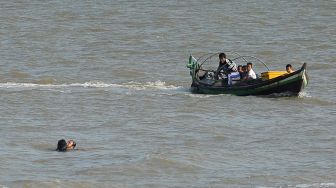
x: 272, y: 74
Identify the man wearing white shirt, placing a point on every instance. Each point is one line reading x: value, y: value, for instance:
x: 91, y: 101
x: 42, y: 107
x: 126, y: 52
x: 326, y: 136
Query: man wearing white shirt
x: 250, y: 72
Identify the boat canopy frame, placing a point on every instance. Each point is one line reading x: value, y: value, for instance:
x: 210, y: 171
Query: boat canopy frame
x: 206, y: 57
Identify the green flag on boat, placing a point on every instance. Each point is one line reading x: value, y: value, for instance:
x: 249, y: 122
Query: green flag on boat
x: 192, y: 62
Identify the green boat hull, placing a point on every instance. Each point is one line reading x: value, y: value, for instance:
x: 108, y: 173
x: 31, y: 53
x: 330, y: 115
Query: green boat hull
x: 292, y: 83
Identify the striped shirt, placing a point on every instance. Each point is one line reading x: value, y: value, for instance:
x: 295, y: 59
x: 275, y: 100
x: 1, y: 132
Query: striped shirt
x: 230, y: 66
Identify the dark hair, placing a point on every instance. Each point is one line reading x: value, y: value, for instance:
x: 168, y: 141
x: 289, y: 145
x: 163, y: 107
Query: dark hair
x: 221, y: 55
x: 288, y: 65
x: 249, y: 63
x: 61, y: 145
x: 240, y: 66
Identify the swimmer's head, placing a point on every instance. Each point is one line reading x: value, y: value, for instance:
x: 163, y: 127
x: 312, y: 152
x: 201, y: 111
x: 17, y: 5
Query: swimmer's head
x: 63, y: 145
x: 71, y: 144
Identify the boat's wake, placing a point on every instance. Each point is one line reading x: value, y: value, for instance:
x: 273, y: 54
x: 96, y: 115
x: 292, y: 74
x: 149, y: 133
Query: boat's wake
x: 312, y: 185
x: 156, y: 86
x: 93, y: 84
x: 304, y: 94
x: 288, y: 94
x: 129, y: 88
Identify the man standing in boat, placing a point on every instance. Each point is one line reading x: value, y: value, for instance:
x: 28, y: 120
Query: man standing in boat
x: 229, y: 68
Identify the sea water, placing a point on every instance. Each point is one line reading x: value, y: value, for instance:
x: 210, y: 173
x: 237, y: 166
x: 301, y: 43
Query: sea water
x: 111, y: 75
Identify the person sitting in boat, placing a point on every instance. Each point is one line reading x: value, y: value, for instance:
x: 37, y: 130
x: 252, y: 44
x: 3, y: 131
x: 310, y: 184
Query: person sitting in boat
x: 225, y: 66
x: 289, y: 68
x: 241, y: 71
x: 250, y: 72
x: 63, y: 145
x: 243, y: 75
x: 229, y: 68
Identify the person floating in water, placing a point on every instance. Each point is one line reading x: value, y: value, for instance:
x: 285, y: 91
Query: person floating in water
x: 63, y: 145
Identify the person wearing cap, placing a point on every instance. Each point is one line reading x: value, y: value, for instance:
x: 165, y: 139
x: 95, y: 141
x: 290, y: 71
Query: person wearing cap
x: 63, y: 145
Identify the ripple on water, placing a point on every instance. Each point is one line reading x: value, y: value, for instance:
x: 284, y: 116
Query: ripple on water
x: 112, y: 76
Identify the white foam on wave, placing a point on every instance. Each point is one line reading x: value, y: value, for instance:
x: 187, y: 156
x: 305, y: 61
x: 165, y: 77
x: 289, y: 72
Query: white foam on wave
x: 312, y: 185
x: 20, y: 85
x: 201, y: 96
x: 304, y: 94
x: 151, y: 85
x: 130, y: 85
x: 320, y: 185
x: 95, y: 84
x: 288, y: 94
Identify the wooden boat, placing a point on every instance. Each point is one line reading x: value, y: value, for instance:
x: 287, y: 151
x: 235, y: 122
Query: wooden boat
x: 204, y: 82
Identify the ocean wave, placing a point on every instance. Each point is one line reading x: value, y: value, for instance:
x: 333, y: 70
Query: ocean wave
x: 313, y: 185
x: 201, y: 96
x: 304, y: 94
x: 94, y: 84
x: 132, y: 170
x: 151, y: 85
